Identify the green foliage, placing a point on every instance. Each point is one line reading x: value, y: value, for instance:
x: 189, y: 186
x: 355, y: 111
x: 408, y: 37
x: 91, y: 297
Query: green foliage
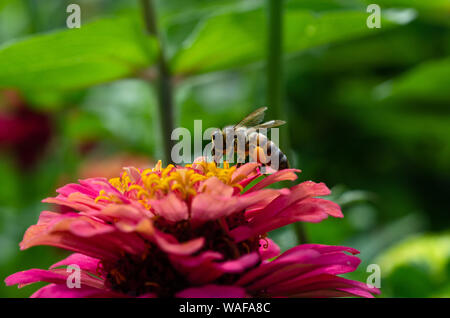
x: 9, y: 188
x: 242, y: 37
x: 102, y: 51
x: 442, y: 6
x: 417, y: 267
x: 13, y: 19
x: 117, y: 106
x: 427, y: 82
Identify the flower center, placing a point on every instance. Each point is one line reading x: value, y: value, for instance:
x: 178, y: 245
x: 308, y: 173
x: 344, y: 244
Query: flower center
x: 153, y: 272
x: 136, y: 275
x: 158, y: 182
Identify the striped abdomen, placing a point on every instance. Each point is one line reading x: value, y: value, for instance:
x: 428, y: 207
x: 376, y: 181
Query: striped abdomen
x: 247, y: 142
x: 265, y: 151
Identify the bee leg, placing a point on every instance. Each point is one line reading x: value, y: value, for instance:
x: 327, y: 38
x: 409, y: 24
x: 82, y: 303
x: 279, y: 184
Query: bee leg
x: 240, y: 159
x: 215, y: 156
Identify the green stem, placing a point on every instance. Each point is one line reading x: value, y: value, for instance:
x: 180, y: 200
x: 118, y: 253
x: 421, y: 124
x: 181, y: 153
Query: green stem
x: 275, y: 84
x: 274, y: 59
x: 165, y: 94
x: 35, y: 25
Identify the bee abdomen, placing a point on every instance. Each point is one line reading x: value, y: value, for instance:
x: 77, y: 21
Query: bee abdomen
x: 273, y: 151
x: 283, y: 161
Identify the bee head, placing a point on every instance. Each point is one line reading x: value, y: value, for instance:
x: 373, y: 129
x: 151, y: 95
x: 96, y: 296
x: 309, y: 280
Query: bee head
x: 216, y: 135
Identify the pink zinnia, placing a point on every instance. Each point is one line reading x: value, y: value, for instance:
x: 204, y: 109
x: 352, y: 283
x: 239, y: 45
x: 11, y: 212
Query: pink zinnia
x: 189, y: 232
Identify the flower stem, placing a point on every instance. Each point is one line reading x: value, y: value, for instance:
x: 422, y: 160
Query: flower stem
x: 275, y: 84
x: 274, y: 59
x: 165, y: 93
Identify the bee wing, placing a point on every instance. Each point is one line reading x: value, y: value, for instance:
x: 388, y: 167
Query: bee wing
x: 253, y: 119
x: 270, y: 124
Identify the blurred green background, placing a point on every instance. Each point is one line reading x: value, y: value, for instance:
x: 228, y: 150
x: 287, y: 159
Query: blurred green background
x: 367, y: 109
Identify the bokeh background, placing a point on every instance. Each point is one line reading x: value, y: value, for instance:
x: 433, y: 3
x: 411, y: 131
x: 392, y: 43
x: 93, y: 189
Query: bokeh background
x: 367, y: 109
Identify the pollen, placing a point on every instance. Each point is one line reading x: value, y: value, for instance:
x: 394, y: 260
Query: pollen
x: 121, y: 183
x: 107, y: 197
x: 225, y: 174
x: 158, y: 182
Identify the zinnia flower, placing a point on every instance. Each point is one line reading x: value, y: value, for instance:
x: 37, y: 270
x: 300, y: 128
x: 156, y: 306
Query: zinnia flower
x: 189, y: 232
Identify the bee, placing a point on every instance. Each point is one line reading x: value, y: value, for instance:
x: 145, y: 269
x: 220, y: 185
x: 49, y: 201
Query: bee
x: 245, y: 139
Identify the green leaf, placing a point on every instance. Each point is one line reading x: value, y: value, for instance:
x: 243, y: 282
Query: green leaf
x: 425, y: 257
x: 431, y: 249
x: 438, y: 5
x: 434, y: 11
x: 97, y: 52
x: 222, y: 41
x: 125, y: 109
x: 239, y: 37
x: 428, y: 81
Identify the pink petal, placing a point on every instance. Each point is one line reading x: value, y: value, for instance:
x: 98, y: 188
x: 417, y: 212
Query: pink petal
x: 299, y: 271
x: 200, y: 269
x: 307, y: 270
x: 256, y: 208
x: 324, y: 282
x: 123, y: 212
x: 214, y: 186
x: 90, y: 187
x: 62, y: 291
x: 239, y: 265
x: 268, y: 249
x: 171, y: 208
x: 303, y: 255
x: 206, y: 267
x: 47, y: 217
x: 84, y: 236
x: 321, y: 248
x: 83, y: 227
x: 98, y: 184
x: 302, y: 191
x: 245, y: 172
x: 258, y: 273
x: 282, y: 175
x: 307, y: 210
x: 57, y: 276
x: 85, y: 262
x: 73, y: 187
x: 65, y: 202
x: 170, y: 245
x: 207, y: 206
x: 33, y: 275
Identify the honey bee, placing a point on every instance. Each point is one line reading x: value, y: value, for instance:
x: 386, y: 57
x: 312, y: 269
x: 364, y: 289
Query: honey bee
x: 246, y: 140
